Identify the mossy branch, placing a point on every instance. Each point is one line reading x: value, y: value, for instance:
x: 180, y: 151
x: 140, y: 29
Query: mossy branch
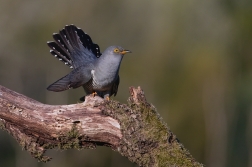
x: 135, y: 130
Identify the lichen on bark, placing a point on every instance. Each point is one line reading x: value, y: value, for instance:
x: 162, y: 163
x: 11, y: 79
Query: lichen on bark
x: 147, y: 140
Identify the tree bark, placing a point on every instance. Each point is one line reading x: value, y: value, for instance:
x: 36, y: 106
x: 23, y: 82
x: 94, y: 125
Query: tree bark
x: 135, y: 130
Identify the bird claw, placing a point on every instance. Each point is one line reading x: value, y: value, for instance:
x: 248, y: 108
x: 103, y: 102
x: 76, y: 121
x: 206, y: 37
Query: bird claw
x: 94, y: 93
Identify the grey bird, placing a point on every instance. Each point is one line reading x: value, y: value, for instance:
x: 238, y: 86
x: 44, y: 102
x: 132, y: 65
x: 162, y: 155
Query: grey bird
x: 97, y: 73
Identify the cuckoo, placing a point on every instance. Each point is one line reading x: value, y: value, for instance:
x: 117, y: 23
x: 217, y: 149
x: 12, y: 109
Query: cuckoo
x: 97, y: 73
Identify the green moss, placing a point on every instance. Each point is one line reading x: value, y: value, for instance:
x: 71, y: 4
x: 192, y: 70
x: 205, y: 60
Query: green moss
x: 70, y: 139
x: 33, y: 147
x: 67, y: 141
x: 22, y: 143
x: 146, y: 138
x: 73, y: 133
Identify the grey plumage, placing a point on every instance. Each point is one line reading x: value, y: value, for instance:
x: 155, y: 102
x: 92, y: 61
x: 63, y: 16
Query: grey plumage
x: 96, y: 72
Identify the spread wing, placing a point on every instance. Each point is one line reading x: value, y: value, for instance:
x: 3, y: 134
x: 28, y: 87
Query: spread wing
x: 74, y: 47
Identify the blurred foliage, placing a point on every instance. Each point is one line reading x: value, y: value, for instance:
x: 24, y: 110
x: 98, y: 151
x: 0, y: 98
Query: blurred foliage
x: 192, y: 58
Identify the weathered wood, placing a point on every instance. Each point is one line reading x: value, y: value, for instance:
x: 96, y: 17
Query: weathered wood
x: 134, y: 130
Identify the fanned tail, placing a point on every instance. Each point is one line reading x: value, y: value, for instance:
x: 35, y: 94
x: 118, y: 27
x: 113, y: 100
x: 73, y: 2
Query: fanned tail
x: 58, y: 51
x: 73, y: 46
x: 88, y: 43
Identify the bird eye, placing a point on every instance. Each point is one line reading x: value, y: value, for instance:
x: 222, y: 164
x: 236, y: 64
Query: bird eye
x: 116, y: 50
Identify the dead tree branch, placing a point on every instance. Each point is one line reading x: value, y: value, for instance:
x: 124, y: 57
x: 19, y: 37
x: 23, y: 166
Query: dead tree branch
x: 135, y: 129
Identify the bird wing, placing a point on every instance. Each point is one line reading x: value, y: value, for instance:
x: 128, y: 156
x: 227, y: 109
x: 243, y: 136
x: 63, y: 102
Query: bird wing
x: 74, y: 79
x: 74, y: 47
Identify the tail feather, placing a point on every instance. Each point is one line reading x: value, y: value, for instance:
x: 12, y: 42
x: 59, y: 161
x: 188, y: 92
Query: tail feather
x: 74, y: 47
x: 63, y: 36
x: 71, y: 33
x: 60, y: 53
x: 62, y: 43
x: 87, y: 42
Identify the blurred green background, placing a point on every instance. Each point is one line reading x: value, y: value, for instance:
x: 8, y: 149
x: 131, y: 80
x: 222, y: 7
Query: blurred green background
x: 192, y: 58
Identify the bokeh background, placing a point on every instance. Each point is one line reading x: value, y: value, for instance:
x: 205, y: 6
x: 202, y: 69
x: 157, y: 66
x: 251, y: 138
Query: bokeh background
x: 192, y: 58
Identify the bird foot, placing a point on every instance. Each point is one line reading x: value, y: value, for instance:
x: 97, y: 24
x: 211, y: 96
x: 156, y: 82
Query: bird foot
x: 94, y: 93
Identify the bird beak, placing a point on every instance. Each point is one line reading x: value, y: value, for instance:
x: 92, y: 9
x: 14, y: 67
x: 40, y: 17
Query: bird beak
x: 125, y: 51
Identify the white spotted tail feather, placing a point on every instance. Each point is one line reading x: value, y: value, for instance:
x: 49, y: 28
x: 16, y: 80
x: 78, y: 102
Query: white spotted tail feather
x: 73, y: 47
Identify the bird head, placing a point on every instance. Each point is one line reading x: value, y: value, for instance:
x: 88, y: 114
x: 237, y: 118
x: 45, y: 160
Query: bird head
x: 118, y: 50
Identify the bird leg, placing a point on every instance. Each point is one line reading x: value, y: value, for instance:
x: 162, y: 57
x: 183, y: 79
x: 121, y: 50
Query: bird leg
x: 94, y: 93
x: 106, y: 97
